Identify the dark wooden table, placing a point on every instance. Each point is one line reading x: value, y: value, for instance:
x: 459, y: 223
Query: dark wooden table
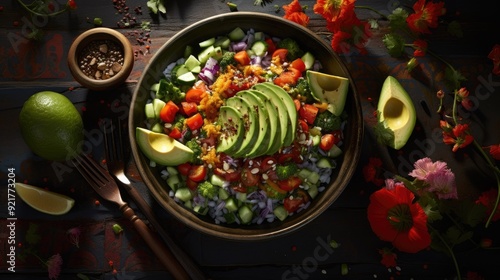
x: 28, y: 66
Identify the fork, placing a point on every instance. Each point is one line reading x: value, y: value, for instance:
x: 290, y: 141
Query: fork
x: 115, y: 161
x: 104, y: 184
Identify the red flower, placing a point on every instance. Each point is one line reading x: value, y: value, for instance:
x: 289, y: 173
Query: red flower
x: 425, y: 16
x: 394, y: 217
x: 495, y: 151
x: 488, y: 199
x: 495, y: 56
x: 294, y: 12
x: 388, y: 257
x: 349, y: 32
x: 71, y: 4
x: 459, y: 136
x: 370, y: 171
x: 421, y: 47
x: 334, y: 10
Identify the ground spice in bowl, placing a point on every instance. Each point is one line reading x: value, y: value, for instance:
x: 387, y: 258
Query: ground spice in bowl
x: 101, y: 59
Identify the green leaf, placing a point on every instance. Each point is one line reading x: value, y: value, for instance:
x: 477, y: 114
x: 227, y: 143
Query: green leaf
x: 454, y: 77
x: 469, y: 212
x: 397, y: 20
x: 373, y: 23
x: 382, y: 132
x: 455, y: 236
x: 156, y: 6
x: 394, y: 43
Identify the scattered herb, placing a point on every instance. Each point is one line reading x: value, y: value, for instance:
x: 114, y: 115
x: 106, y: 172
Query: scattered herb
x: 262, y: 2
x: 156, y: 6
x: 117, y: 229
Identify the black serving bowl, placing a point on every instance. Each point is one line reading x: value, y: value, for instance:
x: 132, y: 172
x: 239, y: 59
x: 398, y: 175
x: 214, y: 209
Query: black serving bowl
x: 274, y: 26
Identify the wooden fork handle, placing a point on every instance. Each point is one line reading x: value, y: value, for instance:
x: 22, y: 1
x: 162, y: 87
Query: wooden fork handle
x: 156, y: 245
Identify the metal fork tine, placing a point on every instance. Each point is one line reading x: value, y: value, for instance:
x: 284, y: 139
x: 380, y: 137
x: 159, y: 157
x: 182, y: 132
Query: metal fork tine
x: 96, y: 176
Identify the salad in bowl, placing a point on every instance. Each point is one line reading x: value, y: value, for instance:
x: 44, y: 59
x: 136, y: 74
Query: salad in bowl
x: 244, y: 129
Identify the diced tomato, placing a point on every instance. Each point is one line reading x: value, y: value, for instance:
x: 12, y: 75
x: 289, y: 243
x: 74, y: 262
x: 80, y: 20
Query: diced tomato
x: 242, y: 58
x: 290, y: 184
x: 249, y: 178
x: 303, y: 126
x: 297, y: 104
x: 184, y: 168
x: 327, y: 142
x: 195, y: 95
x: 197, y: 173
x: 298, y: 64
x: 338, y: 136
x: 288, y: 77
x: 282, y: 53
x: 175, y: 133
x: 273, y: 186
x: 308, y: 113
x: 267, y: 163
x: 195, y: 121
x: 235, y: 87
x: 167, y: 113
x: 229, y: 175
x: 293, y: 202
x: 189, y: 108
x: 192, y: 185
x: 271, y: 47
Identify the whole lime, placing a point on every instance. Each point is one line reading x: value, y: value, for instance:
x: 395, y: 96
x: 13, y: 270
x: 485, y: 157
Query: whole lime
x: 51, y: 126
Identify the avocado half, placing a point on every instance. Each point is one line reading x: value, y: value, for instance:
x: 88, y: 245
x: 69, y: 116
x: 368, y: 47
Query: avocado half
x: 396, y: 112
x: 330, y: 89
x: 162, y: 148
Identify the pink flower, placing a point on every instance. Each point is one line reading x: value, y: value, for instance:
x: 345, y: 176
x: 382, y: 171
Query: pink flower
x: 443, y: 184
x: 425, y: 166
x: 54, y: 266
x: 438, y: 176
x: 74, y: 236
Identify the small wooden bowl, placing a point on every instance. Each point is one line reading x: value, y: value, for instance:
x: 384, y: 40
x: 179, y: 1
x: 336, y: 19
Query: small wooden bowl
x: 96, y: 35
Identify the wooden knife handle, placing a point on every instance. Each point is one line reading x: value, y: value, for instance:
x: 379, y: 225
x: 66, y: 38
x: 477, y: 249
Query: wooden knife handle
x: 156, y: 245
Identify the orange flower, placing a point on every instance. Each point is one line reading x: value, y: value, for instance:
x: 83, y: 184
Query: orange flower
x: 395, y: 218
x: 425, y: 16
x: 334, y: 10
x: 295, y: 13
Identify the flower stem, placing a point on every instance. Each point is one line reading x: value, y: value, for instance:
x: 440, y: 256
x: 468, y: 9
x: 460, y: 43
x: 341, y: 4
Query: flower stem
x: 30, y: 8
x: 373, y: 10
x: 450, y: 250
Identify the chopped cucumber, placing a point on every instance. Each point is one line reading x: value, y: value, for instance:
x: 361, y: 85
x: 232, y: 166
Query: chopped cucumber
x: 158, y: 104
x: 259, y: 36
x: 323, y: 163
x: 206, y: 43
x: 304, y: 173
x: 312, y: 191
x: 149, y: 111
x: 184, y: 194
x: 188, y: 204
x: 205, y: 54
x: 191, y: 63
x: 313, y: 178
x: 172, y: 170
x: 259, y: 48
x: 245, y: 214
x: 154, y: 87
x: 216, y: 180
x: 236, y: 34
x: 335, y: 151
x: 308, y: 59
x: 202, y: 210
x: 188, y: 51
x: 173, y: 182
x: 241, y: 196
x: 231, y: 205
x: 223, y: 194
x: 157, y: 127
x: 222, y: 42
x: 280, y: 212
x: 187, y: 78
x: 196, y: 69
x: 316, y: 140
x: 217, y: 53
